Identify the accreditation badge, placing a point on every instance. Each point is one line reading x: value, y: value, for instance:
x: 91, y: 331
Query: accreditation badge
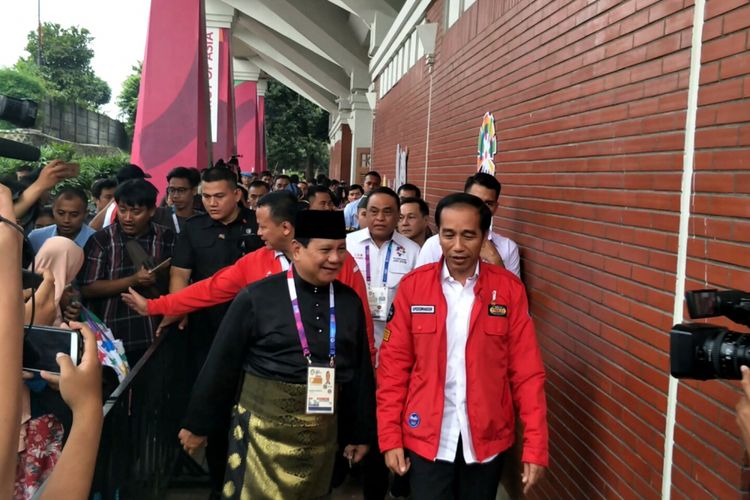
x: 321, y: 382
x: 377, y: 296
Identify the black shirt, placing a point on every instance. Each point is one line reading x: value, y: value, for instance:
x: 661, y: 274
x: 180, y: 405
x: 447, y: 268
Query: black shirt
x: 205, y: 245
x: 165, y: 216
x: 259, y: 335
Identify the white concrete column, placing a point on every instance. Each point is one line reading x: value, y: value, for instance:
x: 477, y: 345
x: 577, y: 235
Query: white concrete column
x: 360, y: 122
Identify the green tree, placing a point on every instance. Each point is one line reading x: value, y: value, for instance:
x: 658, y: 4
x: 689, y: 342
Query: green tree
x: 66, y: 64
x: 296, y: 131
x: 22, y: 83
x: 127, y: 101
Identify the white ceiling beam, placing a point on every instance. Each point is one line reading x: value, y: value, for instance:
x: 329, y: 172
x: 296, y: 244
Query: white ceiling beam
x: 316, y: 24
x: 303, y: 87
x: 308, y: 64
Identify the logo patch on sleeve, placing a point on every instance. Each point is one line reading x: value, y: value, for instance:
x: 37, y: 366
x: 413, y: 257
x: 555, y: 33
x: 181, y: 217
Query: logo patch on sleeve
x: 414, y: 420
x: 391, y: 312
x: 497, y: 310
x: 386, y: 335
x: 423, y: 309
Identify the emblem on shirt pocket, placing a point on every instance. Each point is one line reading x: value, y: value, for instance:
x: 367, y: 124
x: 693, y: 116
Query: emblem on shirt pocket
x: 423, y: 309
x: 497, y: 310
x: 414, y: 420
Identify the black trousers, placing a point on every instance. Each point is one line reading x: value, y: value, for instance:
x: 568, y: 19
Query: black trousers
x: 440, y: 480
x: 374, y: 475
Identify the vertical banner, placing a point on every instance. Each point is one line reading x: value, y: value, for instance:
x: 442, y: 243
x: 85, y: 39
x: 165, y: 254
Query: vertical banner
x: 212, y: 57
x: 400, y: 174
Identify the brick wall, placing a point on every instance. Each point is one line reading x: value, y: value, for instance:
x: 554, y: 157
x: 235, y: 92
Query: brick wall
x: 340, y: 159
x: 590, y: 100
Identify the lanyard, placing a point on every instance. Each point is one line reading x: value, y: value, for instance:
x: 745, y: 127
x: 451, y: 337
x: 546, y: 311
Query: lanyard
x: 301, y: 327
x: 385, y: 266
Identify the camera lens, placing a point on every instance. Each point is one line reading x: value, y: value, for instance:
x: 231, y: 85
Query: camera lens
x: 727, y: 352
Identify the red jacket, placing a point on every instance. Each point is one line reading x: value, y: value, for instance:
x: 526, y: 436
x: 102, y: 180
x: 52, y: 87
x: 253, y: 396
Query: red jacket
x: 504, y: 367
x: 227, y: 282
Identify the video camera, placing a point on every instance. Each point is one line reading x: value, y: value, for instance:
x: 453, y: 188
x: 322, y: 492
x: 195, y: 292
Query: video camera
x: 702, y: 351
x: 22, y: 113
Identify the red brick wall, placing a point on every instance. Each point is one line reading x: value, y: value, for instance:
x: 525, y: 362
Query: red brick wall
x: 590, y: 100
x: 341, y: 159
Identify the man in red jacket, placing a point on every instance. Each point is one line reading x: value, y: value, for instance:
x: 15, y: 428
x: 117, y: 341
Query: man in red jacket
x: 275, y: 214
x: 459, y: 355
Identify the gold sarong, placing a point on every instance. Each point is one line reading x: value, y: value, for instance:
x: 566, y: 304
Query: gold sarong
x: 276, y: 450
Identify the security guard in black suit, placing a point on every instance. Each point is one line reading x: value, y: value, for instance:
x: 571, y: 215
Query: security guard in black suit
x: 207, y: 243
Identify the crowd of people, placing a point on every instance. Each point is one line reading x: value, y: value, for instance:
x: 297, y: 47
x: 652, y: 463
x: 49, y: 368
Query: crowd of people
x: 327, y: 325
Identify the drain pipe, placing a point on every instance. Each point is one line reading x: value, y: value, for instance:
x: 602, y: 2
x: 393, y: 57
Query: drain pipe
x: 682, y: 239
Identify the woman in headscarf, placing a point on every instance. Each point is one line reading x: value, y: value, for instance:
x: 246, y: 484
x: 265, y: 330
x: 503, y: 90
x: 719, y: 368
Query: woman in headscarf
x: 63, y: 258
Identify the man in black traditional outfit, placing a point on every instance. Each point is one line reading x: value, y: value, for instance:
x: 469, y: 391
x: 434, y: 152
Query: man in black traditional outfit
x: 285, y: 338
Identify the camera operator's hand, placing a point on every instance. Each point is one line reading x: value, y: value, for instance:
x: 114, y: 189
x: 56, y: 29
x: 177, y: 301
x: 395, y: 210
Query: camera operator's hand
x: 80, y: 386
x: 8, y: 233
x: 743, y: 407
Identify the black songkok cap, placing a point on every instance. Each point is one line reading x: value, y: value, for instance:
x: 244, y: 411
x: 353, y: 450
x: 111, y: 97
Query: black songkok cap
x: 324, y: 224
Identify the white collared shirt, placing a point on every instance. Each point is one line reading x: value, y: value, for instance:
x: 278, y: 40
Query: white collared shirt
x: 403, y: 259
x: 460, y: 300
x: 507, y: 248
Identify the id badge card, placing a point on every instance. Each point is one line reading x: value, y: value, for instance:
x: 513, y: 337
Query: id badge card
x: 321, y: 382
x: 377, y: 296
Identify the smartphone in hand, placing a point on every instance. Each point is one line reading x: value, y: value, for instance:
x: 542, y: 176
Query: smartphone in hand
x: 42, y: 343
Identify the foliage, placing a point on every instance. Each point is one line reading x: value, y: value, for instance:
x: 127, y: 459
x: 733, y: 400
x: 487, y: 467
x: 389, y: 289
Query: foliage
x: 66, y: 64
x: 296, y: 131
x: 21, y: 83
x: 127, y: 101
x: 92, y: 167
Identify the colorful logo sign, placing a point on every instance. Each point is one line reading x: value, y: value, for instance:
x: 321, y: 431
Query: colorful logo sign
x: 487, y: 145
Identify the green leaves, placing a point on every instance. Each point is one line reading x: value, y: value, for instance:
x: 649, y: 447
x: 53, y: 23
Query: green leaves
x: 296, y: 131
x: 65, y: 64
x: 92, y: 167
x: 127, y: 101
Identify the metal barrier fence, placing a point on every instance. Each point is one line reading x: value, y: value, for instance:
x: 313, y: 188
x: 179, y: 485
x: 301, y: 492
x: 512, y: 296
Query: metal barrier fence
x: 139, y: 445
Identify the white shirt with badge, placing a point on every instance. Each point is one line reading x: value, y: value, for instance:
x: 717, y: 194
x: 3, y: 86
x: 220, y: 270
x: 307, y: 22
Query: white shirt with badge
x: 402, y: 258
x: 507, y: 248
x: 460, y: 300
